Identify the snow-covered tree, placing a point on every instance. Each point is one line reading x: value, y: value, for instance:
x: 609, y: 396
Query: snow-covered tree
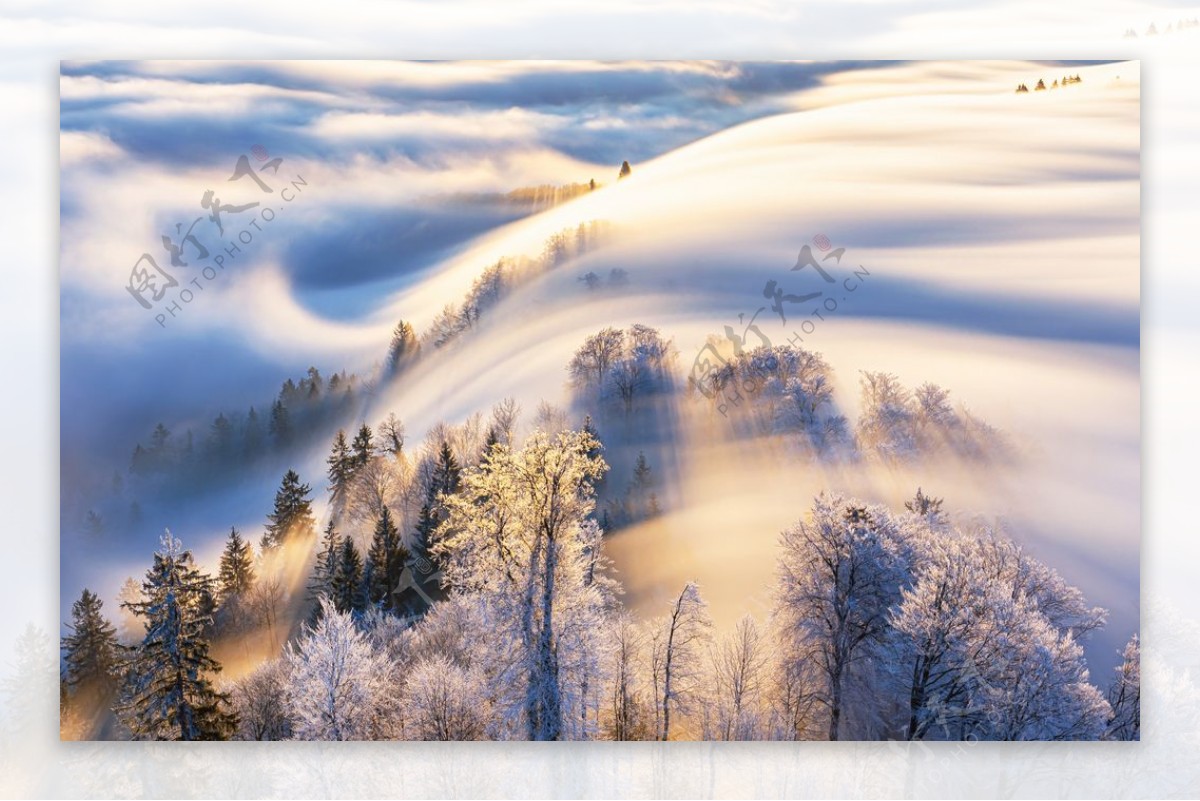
x: 341, y: 469
x: 988, y: 647
x: 1125, y: 695
x: 839, y: 572
x: 628, y: 713
x: 169, y: 695
x: 733, y: 708
x: 443, y: 700
x: 132, y: 628
x: 590, y: 365
x: 328, y: 559
x: 338, y: 685
x: 383, y: 482
x: 515, y: 535
x: 676, y: 657
x: 259, y: 700
x: 886, y: 424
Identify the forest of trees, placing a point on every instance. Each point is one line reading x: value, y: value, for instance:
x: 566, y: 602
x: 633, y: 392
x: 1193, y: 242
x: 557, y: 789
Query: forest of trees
x: 457, y: 588
x: 884, y: 624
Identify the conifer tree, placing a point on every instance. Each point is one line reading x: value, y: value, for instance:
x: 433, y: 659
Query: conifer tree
x: 168, y: 695
x: 292, y: 516
x: 236, y: 573
x: 91, y: 652
x: 341, y: 469
x: 447, y: 475
x: 347, y: 580
x: 363, y: 447
x: 328, y: 559
x: 385, y: 561
x: 404, y: 346
x: 235, y: 577
x: 281, y: 426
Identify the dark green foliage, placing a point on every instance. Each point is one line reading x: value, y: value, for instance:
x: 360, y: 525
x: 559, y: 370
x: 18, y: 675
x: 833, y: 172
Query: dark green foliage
x: 292, y: 516
x: 341, y: 468
x: 168, y: 695
x: 385, y: 561
x: 363, y: 447
x: 90, y: 652
x: 235, y: 577
x: 281, y: 425
x: 347, y: 579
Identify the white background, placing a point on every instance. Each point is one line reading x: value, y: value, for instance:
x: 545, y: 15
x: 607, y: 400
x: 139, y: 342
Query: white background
x: 35, y: 34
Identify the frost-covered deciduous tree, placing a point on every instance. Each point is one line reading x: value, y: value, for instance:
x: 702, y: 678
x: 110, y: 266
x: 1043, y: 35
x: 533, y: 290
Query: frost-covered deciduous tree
x: 259, y: 700
x: 590, y: 365
x: 936, y: 618
x: 168, y: 693
x: 886, y: 424
x: 733, y: 710
x: 623, y: 364
x: 515, y: 536
x: 1125, y: 695
x: 839, y: 573
x: 338, y: 684
x: 444, y: 700
x: 987, y: 644
x: 628, y: 714
x: 1031, y: 683
x: 676, y: 657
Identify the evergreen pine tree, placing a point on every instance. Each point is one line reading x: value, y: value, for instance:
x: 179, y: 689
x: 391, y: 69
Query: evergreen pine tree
x: 341, y: 469
x: 363, y: 447
x: 281, y: 426
x: 426, y: 523
x: 385, y: 561
x: 168, y: 695
x: 90, y: 652
x: 347, y: 579
x: 321, y: 584
x: 235, y: 577
x: 293, y: 512
x: 447, y: 475
x: 404, y: 346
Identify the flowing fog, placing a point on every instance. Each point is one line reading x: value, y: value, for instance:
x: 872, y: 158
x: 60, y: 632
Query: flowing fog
x: 991, y: 242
